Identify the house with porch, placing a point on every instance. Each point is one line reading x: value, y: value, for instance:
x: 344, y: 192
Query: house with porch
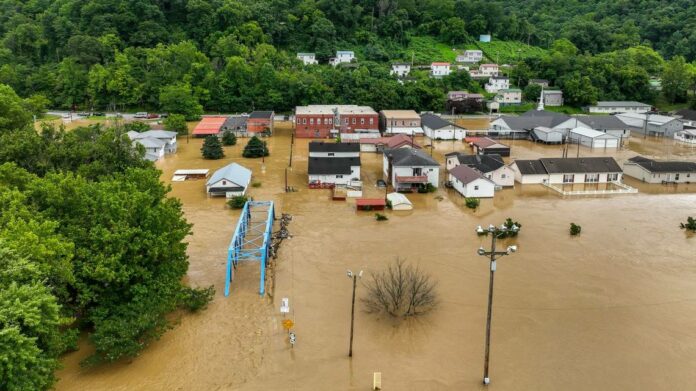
x: 660, y: 171
x: 439, y: 69
x: 490, y: 166
x: 470, y: 56
x: 567, y: 170
x: 168, y: 137
x: 407, y: 169
x: 471, y: 183
x: 230, y: 181
x: 342, y: 57
x: 437, y: 128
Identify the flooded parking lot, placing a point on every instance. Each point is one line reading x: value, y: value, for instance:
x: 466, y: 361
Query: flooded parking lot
x: 611, y: 309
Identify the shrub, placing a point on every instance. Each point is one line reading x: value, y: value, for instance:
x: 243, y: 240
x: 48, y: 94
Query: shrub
x: 381, y: 217
x: 212, y: 148
x: 401, y: 290
x: 472, y: 203
x: 237, y: 202
x: 689, y: 225
x: 138, y: 126
x: 256, y: 184
x: 255, y: 148
x: 229, y: 138
x: 575, y: 229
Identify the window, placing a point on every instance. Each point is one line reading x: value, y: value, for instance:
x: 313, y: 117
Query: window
x: 339, y: 176
x: 224, y: 183
x: 326, y: 121
x: 332, y: 154
x: 372, y: 121
x: 592, y: 178
x: 311, y: 121
x: 475, y: 187
x: 362, y: 121
x: 304, y: 121
x: 612, y: 177
x: 568, y: 178
x: 503, y: 176
x: 330, y: 120
x: 353, y: 120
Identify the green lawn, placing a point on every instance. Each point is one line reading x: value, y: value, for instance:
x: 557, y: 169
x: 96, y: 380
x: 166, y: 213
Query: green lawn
x: 508, y: 52
x: 427, y: 49
x: 49, y: 117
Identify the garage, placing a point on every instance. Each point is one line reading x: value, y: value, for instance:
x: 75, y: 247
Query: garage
x: 593, y: 139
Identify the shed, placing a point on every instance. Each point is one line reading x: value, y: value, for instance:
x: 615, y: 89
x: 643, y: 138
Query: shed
x: 593, y: 138
x: 185, y: 175
x: 488, y: 146
x: 209, y: 126
x: 471, y: 183
x: 548, y: 135
x: 399, y: 201
x: 370, y: 203
x: 231, y: 180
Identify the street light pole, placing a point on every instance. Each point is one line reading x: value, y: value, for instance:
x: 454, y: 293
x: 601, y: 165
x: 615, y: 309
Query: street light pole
x: 493, y: 256
x: 352, y: 308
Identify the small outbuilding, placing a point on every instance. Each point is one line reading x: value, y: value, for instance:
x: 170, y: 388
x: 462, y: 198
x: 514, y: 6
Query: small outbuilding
x: 230, y: 181
x: 548, y: 135
x: 399, y: 201
x: 488, y: 146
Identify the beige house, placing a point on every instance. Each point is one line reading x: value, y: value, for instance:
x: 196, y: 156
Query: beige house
x: 400, y: 122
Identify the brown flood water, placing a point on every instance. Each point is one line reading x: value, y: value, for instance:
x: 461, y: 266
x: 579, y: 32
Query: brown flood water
x: 612, y: 309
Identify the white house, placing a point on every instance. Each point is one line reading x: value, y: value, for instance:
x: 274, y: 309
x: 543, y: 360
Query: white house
x: 231, y: 180
x: 307, y: 58
x: 157, y: 143
x: 593, y: 138
x: 400, y: 69
x: 333, y: 163
x: 439, y: 69
x: 154, y: 148
x: 553, y: 98
x: 609, y: 124
x: 610, y: 107
x: 490, y: 166
x: 686, y: 136
x: 398, y: 201
x: 496, y: 83
x: 652, y: 124
x: 548, y: 135
x: 509, y: 96
x: 567, y: 170
x: 407, y: 169
x: 653, y: 171
x: 470, y: 56
x: 437, y: 128
x: 471, y: 183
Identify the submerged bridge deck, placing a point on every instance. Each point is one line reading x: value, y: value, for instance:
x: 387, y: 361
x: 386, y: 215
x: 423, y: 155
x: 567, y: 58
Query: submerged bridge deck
x: 251, y: 240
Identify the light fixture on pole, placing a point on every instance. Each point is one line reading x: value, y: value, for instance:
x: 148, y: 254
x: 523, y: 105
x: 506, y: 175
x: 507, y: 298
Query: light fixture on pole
x: 352, y: 308
x: 493, y: 256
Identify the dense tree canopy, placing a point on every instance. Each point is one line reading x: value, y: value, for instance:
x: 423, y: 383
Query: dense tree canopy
x: 239, y: 55
x: 89, y: 241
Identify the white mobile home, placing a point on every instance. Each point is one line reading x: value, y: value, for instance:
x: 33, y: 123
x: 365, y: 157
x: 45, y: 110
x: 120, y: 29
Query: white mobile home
x: 611, y: 107
x: 567, y: 170
x: 653, y: 171
x: 437, y: 128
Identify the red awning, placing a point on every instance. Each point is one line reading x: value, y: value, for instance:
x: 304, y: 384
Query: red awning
x: 412, y: 179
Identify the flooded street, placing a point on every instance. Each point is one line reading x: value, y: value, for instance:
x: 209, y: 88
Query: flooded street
x: 611, y: 309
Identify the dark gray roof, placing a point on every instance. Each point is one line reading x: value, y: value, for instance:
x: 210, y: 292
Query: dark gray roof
x: 320, y: 146
x: 603, y: 122
x: 407, y: 157
x: 435, y: 122
x: 530, y: 167
x: 687, y: 114
x: 483, y: 163
x: 466, y: 174
x: 261, y: 114
x: 331, y: 165
x: 235, y: 122
x: 663, y: 166
x: 580, y: 165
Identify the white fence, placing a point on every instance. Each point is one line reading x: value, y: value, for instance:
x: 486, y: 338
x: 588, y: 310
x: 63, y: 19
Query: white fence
x: 622, y: 189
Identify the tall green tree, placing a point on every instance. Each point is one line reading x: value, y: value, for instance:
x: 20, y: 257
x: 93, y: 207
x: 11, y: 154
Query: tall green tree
x: 255, y: 148
x: 676, y: 80
x: 179, y: 98
x: 212, y: 148
x: 176, y: 123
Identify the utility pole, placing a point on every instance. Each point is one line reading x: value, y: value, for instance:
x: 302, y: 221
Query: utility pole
x: 352, y: 308
x: 494, y: 255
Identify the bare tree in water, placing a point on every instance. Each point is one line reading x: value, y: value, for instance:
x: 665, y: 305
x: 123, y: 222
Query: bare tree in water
x: 401, y: 290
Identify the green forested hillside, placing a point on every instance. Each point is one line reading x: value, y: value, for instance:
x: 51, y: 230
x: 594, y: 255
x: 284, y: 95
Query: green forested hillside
x: 238, y: 55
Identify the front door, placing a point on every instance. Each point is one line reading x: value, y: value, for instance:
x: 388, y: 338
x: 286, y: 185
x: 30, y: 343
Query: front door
x: 417, y: 171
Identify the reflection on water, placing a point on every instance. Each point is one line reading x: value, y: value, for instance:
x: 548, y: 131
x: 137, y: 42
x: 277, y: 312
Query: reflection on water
x: 613, y: 308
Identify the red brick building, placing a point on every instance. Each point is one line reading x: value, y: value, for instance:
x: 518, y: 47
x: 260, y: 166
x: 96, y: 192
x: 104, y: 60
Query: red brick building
x: 259, y: 121
x: 324, y: 121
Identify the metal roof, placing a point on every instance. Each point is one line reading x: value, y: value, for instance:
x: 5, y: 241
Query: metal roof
x: 261, y: 115
x: 482, y: 163
x: 209, y: 125
x: 436, y: 122
x: 233, y: 173
x: 591, y: 133
x: 466, y: 174
x: 580, y: 165
x: 621, y: 104
x: 603, y: 122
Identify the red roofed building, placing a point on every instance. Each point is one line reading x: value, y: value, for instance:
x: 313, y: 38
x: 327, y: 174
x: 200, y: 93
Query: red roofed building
x: 439, y: 69
x: 209, y: 126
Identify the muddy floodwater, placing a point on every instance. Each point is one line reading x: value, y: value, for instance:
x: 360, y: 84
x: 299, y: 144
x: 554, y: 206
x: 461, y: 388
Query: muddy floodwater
x: 611, y: 309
